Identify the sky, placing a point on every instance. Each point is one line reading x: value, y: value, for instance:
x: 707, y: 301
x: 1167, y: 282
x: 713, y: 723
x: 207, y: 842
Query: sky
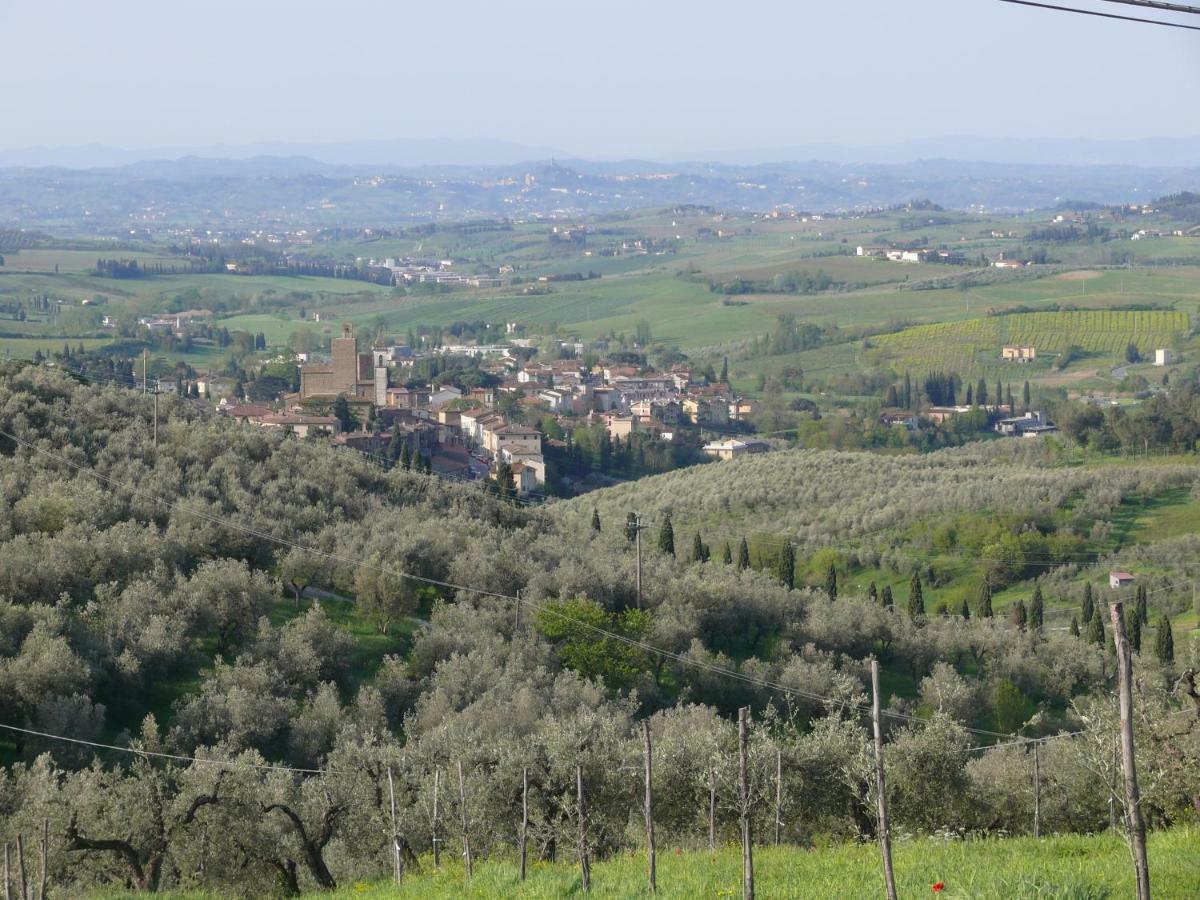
x: 651, y: 78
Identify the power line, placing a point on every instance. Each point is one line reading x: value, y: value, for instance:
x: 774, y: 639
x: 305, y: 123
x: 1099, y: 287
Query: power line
x: 1102, y: 15
x: 1157, y: 4
x: 171, y: 756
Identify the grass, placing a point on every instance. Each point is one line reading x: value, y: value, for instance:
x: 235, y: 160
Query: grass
x: 1058, y: 867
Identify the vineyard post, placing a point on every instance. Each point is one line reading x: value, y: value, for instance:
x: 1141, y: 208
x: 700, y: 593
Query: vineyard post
x: 1133, y: 803
x: 466, y: 837
x: 885, y: 838
x: 1037, y: 792
x: 45, y: 845
x: 744, y: 804
x: 585, y: 868
x: 395, y: 836
x: 524, y: 817
x: 7, y: 895
x: 21, y: 867
x: 437, y: 847
x: 712, y: 810
x: 778, y: 792
x: 650, y: 849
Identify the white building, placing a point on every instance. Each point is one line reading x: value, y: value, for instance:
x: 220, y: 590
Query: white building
x: 1163, y: 357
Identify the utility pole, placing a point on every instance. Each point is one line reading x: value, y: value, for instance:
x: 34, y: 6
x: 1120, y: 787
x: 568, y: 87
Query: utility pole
x: 650, y: 848
x: 1133, y: 802
x: 1037, y: 792
x: 744, y: 803
x: 395, y: 834
x: 885, y: 837
x: 145, y: 367
x: 585, y: 866
x: 156, y: 414
x: 524, y: 817
x: 637, y: 527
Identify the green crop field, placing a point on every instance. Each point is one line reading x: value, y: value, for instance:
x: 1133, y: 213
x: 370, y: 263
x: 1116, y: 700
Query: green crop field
x: 975, y: 344
x: 1067, y: 867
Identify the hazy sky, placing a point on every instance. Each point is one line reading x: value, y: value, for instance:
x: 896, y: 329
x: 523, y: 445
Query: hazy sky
x: 614, y: 77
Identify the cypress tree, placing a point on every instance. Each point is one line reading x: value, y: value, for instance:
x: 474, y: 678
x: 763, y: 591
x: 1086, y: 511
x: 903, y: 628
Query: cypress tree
x: 406, y: 456
x: 966, y: 610
x: 1140, y: 605
x: 985, y: 600
x: 1095, y: 630
x: 787, y: 565
x: 1037, y: 610
x: 595, y: 520
x: 727, y: 556
x: 981, y: 396
x: 970, y: 401
x: 1089, y: 607
x: 1133, y: 629
x: 1074, y: 625
x: 666, y: 536
x: 1164, y: 642
x: 886, y: 597
x: 1025, y: 396
x: 1020, y: 616
x: 916, y: 598
x: 872, y: 593
x: 999, y: 394
x: 697, y: 548
x: 831, y: 582
x: 908, y: 395
x: 743, y: 561
x: 631, y: 527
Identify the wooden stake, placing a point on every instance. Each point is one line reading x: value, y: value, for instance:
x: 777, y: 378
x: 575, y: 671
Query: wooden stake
x: 21, y: 868
x: 1133, y: 803
x: 45, y: 844
x: 437, y: 844
x: 778, y: 793
x: 7, y: 894
x: 650, y: 848
x: 712, y: 811
x: 885, y: 837
x: 744, y: 803
x: 1037, y: 792
x: 395, y: 837
x: 466, y: 838
x: 524, y: 817
x: 585, y: 867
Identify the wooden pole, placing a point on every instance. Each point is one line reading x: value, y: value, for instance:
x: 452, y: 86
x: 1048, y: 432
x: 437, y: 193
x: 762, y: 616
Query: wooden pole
x: 885, y: 837
x: 45, y: 845
x: 395, y: 837
x: 585, y: 867
x: 778, y: 793
x: 7, y: 893
x: 1112, y: 788
x: 637, y: 529
x: 524, y: 817
x: 712, y: 811
x: 462, y: 804
x: 1133, y: 803
x: 1037, y: 792
x: 437, y: 846
x: 21, y: 868
x: 650, y: 848
x: 744, y: 804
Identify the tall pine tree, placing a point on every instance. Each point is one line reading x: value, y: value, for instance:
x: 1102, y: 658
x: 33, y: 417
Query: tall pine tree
x: 1164, y: 642
x: 787, y: 565
x: 666, y: 536
x: 831, y: 582
x: 1020, y: 616
x: 595, y: 520
x: 916, y: 598
x: 1037, y: 610
x: 985, y: 600
x: 697, y: 548
x: 743, y: 561
x: 886, y: 599
x: 727, y: 556
x: 1095, y: 630
x: 1088, y: 608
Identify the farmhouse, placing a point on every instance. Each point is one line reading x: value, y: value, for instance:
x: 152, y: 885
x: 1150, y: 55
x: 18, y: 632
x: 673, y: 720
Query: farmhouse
x: 1119, y: 580
x: 732, y: 449
x: 1163, y: 358
x: 1018, y: 353
x: 1031, y: 424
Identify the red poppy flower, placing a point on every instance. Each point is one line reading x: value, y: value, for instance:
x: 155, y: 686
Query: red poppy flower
x: 939, y: 887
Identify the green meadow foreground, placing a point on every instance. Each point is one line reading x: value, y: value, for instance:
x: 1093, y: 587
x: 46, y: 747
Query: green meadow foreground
x: 1058, y: 867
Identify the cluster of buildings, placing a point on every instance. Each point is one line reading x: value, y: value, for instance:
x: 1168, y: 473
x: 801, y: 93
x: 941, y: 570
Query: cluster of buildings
x: 464, y: 433
x: 403, y: 272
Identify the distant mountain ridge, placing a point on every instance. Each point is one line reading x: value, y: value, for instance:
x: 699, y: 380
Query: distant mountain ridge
x: 488, y: 153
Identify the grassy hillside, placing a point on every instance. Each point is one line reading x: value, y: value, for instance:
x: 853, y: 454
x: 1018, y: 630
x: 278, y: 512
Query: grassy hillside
x: 1074, y: 867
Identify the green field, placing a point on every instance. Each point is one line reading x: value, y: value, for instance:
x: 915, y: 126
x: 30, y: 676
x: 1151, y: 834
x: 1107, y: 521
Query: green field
x: 974, y: 344
x: 1069, y: 867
